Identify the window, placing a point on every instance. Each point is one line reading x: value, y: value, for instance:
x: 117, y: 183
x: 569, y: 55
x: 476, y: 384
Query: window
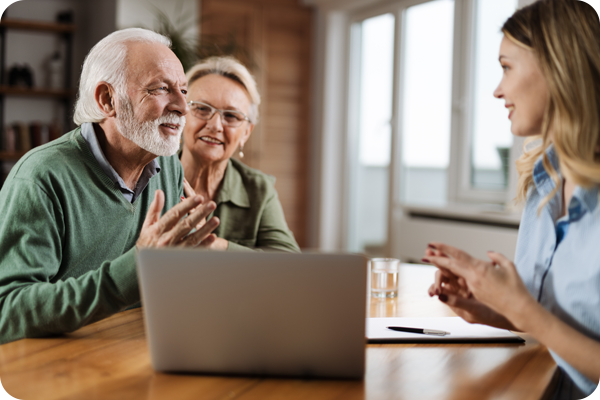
x: 491, y: 134
x: 373, y: 53
x: 426, y: 93
x: 423, y: 125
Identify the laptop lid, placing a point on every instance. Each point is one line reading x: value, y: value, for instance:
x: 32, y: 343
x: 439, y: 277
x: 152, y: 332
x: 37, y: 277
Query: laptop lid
x: 257, y: 313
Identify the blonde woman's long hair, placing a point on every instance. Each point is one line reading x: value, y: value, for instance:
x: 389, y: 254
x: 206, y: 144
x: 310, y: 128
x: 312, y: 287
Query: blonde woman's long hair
x: 564, y: 36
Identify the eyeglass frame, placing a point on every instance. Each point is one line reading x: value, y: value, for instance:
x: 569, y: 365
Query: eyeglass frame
x: 215, y: 110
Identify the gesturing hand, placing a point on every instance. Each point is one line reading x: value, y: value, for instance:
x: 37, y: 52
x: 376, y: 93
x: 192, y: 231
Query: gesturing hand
x: 485, y: 292
x: 173, y: 228
x: 218, y: 243
x: 189, y: 193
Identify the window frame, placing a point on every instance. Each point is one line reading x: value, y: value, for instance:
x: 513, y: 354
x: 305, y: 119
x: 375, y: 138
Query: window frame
x: 332, y: 141
x: 459, y: 187
x: 352, y: 152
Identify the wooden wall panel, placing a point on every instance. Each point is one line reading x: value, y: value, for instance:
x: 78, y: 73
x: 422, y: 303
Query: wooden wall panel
x: 277, y: 35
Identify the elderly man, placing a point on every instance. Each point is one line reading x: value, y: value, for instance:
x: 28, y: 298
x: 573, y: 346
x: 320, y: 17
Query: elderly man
x: 73, y: 212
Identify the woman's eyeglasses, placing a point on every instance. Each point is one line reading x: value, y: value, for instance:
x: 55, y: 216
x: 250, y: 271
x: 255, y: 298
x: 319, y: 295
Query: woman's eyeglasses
x: 206, y: 112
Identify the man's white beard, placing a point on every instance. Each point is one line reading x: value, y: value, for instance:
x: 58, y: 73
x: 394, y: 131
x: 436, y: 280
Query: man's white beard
x: 146, y: 134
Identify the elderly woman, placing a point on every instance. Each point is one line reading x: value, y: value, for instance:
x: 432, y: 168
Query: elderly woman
x: 223, y: 102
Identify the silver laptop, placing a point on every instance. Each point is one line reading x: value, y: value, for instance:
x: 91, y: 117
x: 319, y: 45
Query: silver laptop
x: 267, y: 314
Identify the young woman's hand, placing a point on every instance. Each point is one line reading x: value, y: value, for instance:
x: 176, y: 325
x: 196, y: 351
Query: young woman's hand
x: 479, y: 291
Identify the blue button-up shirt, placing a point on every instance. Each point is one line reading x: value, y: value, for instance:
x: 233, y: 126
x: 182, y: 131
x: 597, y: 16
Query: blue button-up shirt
x: 87, y: 131
x: 559, y: 261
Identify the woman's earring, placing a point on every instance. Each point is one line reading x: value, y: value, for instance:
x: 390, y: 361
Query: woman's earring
x: 241, y: 150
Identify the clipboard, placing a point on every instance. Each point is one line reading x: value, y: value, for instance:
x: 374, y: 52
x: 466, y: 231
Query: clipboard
x: 460, y: 331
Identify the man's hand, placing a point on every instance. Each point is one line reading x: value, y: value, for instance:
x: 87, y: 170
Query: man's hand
x: 173, y: 228
x: 218, y: 243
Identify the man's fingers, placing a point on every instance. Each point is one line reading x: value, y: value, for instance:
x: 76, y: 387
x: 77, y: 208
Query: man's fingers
x: 187, y: 189
x: 153, y: 214
x: 176, y: 213
x: 178, y: 231
x: 200, y: 224
x: 208, y: 241
x: 200, y: 213
x: 194, y: 239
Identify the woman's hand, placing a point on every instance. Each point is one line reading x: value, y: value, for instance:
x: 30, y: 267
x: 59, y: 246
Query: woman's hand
x: 444, y: 279
x: 453, y: 291
x: 484, y: 292
x: 474, y: 311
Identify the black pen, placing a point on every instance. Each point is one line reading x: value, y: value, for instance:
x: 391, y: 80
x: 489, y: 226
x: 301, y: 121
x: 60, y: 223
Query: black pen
x: 418, y: 330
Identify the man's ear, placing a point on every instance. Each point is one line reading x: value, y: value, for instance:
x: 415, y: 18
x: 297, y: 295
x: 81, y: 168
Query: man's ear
x: 105, y: 99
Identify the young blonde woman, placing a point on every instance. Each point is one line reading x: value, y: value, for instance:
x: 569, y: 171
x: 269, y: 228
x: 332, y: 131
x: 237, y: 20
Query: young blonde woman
x: 550, y: 55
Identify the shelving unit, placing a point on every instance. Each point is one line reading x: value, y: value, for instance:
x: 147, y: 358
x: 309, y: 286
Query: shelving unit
x: 37, y: 25
x: 36, y: 92
x: 64, y: 95
x: 66, y: 31
x: 11, y: 155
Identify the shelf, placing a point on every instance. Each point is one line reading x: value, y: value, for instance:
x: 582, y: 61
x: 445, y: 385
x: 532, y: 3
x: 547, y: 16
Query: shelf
x: 11, y: 155
x: 35, y: 92
x: 36, y: 25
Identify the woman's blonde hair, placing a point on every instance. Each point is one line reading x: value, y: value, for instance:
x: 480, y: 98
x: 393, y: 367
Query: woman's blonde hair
x: 564, y: 36
x: 231, y: 68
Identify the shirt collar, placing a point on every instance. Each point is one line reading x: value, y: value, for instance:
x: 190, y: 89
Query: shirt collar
x: 587, y: 197
x: 89, y: 134
x: 541, y: 178
x: 583, y: 199
x: 233, y: 188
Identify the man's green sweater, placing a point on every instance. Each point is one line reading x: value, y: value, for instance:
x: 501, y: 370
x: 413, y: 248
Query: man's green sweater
x: 67, y: 239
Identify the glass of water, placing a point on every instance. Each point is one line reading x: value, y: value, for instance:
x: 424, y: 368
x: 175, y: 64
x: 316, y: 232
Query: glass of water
x: 384, y: 277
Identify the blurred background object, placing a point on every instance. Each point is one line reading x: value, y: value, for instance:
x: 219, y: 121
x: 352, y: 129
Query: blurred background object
x: 377, y: 119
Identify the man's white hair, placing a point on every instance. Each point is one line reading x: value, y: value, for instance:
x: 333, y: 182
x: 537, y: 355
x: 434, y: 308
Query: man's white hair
x: 231, y: 68
x: 107, y: 62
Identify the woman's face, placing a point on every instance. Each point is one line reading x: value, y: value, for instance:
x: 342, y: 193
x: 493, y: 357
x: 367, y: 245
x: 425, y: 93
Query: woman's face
x: 211, y: 141
x: 523, y: 89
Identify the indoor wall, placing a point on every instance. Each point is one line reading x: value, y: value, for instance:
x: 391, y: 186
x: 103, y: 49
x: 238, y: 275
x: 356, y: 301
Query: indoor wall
x: 274, y: 38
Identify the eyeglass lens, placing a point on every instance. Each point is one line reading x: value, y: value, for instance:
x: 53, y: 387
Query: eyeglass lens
x: 206, y: 112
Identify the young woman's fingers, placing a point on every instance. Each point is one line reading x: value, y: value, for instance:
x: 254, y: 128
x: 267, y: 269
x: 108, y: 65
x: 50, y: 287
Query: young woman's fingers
x: 449, y: 251
x: 499, y: 259
x: 431, y: 290
x: 440, y: 279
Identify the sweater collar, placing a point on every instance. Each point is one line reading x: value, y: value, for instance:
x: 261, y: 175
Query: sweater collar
x: 153, y: 168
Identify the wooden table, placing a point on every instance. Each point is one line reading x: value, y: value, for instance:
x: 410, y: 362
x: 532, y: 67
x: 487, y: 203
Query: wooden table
x: 109, y: 360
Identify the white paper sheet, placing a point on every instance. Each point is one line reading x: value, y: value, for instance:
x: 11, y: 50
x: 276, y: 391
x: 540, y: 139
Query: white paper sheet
x: 460, y: 331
